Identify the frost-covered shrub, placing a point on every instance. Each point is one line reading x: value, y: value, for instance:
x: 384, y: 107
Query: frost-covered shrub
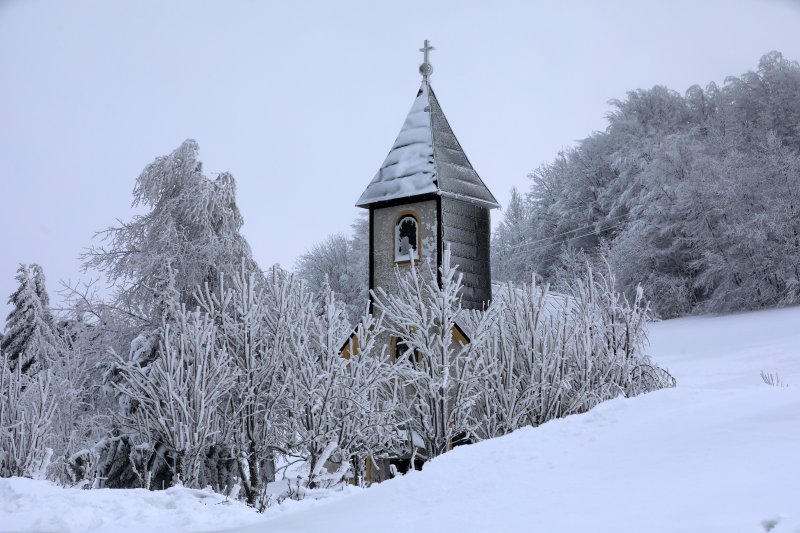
x: 440, y: 379
x: 533, y: 355
x: 179, y: 399
x: 254, y: 372
x: 251, y: 317
x: 341, y: 410
x: 553, y: 355
x: 27, y: 409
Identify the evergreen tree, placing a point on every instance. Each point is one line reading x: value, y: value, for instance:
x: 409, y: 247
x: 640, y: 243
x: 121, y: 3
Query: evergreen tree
x: 509, y: 239
x: 30, y: 339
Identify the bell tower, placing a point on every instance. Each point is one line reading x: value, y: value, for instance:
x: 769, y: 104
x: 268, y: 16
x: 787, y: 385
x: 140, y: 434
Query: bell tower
x: 426, y: 194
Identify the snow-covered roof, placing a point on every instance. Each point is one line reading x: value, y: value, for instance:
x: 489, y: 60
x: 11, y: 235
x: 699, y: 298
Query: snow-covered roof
x: 426, y: 158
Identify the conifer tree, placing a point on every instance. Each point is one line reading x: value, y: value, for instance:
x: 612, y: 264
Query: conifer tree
x: 30, y: 339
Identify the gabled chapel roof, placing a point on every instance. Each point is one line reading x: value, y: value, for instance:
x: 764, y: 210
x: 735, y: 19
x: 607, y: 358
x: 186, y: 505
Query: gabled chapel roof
x: 426, y: 158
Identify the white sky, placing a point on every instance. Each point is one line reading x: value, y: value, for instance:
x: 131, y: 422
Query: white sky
x: 302, y: 101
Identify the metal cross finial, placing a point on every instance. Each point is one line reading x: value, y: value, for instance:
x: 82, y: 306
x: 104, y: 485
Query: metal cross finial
x: 426, y: 69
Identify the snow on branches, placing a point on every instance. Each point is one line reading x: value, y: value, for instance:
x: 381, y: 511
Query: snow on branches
x: 229, y: 374
x: 441, y: 377
x: 30, y: 340
x: 552, y: 355
x: 192, y: 227
x: 27, y: 409
x: 532, y: 356
x: 338, y: 408
x: 180, y: 397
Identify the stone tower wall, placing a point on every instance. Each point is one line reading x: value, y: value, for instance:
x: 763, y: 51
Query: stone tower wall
x: 384, y: 220
x: 467, y: 228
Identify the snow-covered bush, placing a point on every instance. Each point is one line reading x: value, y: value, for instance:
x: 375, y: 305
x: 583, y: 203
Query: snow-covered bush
x: 179, y: 400
x: 27, y: 409
x: 340, y: 409
x: 554, y: 355
x: 83, y: 413
x: 244, y: 312
x: 441, y: 378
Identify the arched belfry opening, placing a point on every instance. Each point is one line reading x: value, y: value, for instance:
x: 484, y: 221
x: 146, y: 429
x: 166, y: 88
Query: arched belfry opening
x: 406, y: 238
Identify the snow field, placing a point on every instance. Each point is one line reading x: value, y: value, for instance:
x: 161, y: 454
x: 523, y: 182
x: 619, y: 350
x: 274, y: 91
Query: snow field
x: 30, y: 505
x: 719, y: 453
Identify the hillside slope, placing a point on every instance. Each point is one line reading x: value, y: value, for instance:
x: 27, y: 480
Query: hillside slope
x: 720, y: 453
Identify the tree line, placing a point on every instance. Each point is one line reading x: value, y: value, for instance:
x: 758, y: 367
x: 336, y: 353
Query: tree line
x: 695, y: 197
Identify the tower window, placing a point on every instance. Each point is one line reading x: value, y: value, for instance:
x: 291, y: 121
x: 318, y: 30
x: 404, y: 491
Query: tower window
x: 406, y: 237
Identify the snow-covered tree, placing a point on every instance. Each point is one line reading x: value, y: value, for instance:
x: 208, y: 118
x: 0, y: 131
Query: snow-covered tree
x: 179, y: 400
x: 752, y: 257
x: 187, y: 238
x: 442, y: 376
x: 509, y: 251
x: 27, y: 409
x: 189, y: 235
x: 83, y: 414
x: 339, y: 408
x: 340, y: 263
x: 371, y: 427
x: 253, y: 338
x: 30, y: 340
x: 692, y: 197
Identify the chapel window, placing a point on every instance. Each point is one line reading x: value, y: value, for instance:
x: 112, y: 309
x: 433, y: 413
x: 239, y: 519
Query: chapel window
x: 403, y: 350
x: 406, y: 237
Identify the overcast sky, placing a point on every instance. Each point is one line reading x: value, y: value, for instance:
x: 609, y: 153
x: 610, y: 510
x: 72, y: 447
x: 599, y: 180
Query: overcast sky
x: 301, y: 101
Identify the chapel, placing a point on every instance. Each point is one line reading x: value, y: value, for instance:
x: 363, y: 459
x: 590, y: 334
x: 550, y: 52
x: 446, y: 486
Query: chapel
x: 425, y: 194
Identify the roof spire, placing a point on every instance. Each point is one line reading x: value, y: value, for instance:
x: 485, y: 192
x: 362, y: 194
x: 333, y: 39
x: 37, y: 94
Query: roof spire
x: 426, y: 69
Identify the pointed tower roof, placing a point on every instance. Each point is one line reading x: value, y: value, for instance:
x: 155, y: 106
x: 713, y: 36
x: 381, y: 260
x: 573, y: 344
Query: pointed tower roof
x: 426, y: 158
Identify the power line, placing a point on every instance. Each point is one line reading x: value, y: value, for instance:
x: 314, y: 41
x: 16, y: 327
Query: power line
x: 562, y: 241
x: 544, y: 239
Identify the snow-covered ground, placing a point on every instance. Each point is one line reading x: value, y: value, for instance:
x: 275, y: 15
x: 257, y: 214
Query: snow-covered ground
x: 720, y: 453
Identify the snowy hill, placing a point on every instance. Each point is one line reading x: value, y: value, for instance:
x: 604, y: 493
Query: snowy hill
x: 719, y: 453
